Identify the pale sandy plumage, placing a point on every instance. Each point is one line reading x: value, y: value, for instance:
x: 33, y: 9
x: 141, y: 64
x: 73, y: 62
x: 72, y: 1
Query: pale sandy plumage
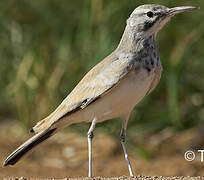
x: 97, y: 82
x: 114, y: 86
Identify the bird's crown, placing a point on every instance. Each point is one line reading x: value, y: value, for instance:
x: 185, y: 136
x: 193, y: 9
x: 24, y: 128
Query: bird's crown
x: 150, y: 18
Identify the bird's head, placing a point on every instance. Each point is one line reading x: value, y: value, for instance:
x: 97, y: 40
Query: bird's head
x: 149, y: 19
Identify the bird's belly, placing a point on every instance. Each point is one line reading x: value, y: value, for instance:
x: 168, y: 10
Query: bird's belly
x: 125, y: 96
x: 120, y: 100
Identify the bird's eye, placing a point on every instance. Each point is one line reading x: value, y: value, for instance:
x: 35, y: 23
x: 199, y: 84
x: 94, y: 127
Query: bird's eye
x: 150, y: 14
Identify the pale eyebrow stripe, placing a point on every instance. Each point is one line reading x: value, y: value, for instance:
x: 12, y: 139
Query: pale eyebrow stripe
x: 138, y: 14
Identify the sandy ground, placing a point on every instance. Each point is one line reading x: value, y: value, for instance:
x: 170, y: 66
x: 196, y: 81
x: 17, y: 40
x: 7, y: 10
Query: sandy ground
x: 65, y: 156
x: 139, y: 177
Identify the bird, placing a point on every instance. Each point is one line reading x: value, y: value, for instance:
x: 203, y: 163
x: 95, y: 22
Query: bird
x: 113, y: 87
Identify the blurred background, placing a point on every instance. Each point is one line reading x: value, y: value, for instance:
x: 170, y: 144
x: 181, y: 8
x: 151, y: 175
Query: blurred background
x: 46, y: 47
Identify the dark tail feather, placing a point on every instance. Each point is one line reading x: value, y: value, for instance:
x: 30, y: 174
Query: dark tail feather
x: 15, y: 156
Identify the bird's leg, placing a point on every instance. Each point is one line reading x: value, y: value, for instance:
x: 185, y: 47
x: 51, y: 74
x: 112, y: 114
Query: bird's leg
x: 123, y: 142
x: 90, y: 137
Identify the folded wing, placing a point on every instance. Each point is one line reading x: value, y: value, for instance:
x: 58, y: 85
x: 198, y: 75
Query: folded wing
x: 97, y: 82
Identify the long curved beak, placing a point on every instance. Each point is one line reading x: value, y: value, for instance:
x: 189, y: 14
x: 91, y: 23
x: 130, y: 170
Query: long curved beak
x: 181, y: 9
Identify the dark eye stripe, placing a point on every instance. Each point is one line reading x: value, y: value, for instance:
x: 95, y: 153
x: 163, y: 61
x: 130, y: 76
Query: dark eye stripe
x: 148, y: 25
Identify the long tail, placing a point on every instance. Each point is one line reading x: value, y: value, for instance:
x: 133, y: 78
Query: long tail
x: 15, y: 156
